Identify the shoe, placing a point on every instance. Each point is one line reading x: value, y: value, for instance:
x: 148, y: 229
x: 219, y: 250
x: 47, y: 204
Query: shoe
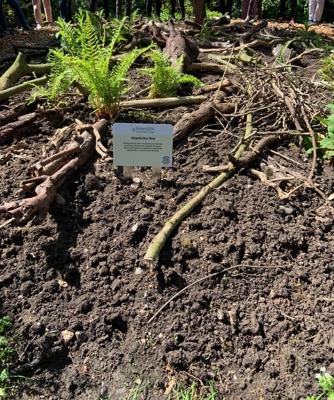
x: 39, y: 26
x: 247, y: 19
x: 5, y: 33
x: 292, y: 22
x: 310, y: 23
x: 28, y: 28
x: 253, y: 20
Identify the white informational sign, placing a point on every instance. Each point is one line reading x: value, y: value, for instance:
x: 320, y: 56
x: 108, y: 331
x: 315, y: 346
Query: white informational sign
x: 142, y: 145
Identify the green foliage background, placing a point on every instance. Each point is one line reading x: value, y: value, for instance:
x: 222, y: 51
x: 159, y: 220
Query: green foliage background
x: 270, y: 9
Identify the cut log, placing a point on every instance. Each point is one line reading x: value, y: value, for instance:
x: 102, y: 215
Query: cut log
x: 28, y: 124
x: 177, y: 45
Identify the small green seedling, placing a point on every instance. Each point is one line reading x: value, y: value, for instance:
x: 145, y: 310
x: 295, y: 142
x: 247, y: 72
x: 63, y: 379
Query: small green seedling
x: 326, y: 382
x: 192, y: 393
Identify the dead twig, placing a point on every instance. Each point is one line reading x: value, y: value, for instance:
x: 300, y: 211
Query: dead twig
x: 203, y: 279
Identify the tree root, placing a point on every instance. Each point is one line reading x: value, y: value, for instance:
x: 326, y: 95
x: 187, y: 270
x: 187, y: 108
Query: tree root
x: 37, y: 207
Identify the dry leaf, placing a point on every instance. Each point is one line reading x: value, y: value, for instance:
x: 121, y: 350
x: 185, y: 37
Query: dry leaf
x: 170, y: 386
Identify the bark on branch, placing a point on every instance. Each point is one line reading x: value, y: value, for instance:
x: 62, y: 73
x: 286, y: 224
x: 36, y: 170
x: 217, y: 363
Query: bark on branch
x: 21, y: 68
x: 190, y: 121
x: 37, y: 207
x: 159, y: 240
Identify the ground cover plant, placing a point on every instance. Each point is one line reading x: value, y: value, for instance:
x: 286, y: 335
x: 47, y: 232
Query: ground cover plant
x: 326, y: 383
x: 6, y: 352
x: 238, y: 302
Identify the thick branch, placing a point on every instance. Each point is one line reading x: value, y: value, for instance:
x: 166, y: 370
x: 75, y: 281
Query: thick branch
x: 37, y: 207
x: 4, y: 94
x: 165, y: 102
x: 159, y: 240
x: 21, y: 68
x: 190, y: 121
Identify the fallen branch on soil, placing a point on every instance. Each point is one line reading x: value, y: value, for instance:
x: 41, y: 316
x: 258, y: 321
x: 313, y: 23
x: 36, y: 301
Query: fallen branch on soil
x: 21, y: 68
x: 159, y: 240
x: 274, y: 183
x: 203, y: 279
x: 6, y: 93
x: 37, y: 207
x: 254, y: 29
x: 28, y: 124
x: 165, y: 102
x: 225, y: 83
x: 209, y: 67
x: 190, y: 121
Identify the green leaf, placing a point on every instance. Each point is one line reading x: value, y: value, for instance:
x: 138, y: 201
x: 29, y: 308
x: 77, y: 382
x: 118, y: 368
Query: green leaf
x: 4, y: 375
x: 330, y: 123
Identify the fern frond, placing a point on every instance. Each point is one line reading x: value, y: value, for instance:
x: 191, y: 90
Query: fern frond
x: 166, y: 78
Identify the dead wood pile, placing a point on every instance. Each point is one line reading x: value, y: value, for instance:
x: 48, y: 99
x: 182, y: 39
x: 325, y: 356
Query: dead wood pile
x: 280, y: 98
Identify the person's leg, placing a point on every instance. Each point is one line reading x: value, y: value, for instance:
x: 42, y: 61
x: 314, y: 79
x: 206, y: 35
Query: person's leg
x: 48, y: 11
x: 65, y: 10
x: 158, y: 7
x: 15, y: 5
x: 119, y: 10
x: 173, y: 7
x: 92, y: 6
x: 257, y: 9
x: 106, y: 9
x: 3, y: 23
x: 312, y: 5
x: 250, y: 10
x: 148, y: 8
x: 282, y: 8
x: 228, y: 7
x: 293, y: 10
x: 319, y: 10
x: 36, y: 5
x: 128, y: 8
x: 183, y: 10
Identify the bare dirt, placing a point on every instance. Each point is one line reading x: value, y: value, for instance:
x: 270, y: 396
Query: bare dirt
x: 81, y: 299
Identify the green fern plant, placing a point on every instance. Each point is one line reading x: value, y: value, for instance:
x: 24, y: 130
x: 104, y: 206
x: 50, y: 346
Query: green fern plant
x: 85, y: 58
x: 166, y: 78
